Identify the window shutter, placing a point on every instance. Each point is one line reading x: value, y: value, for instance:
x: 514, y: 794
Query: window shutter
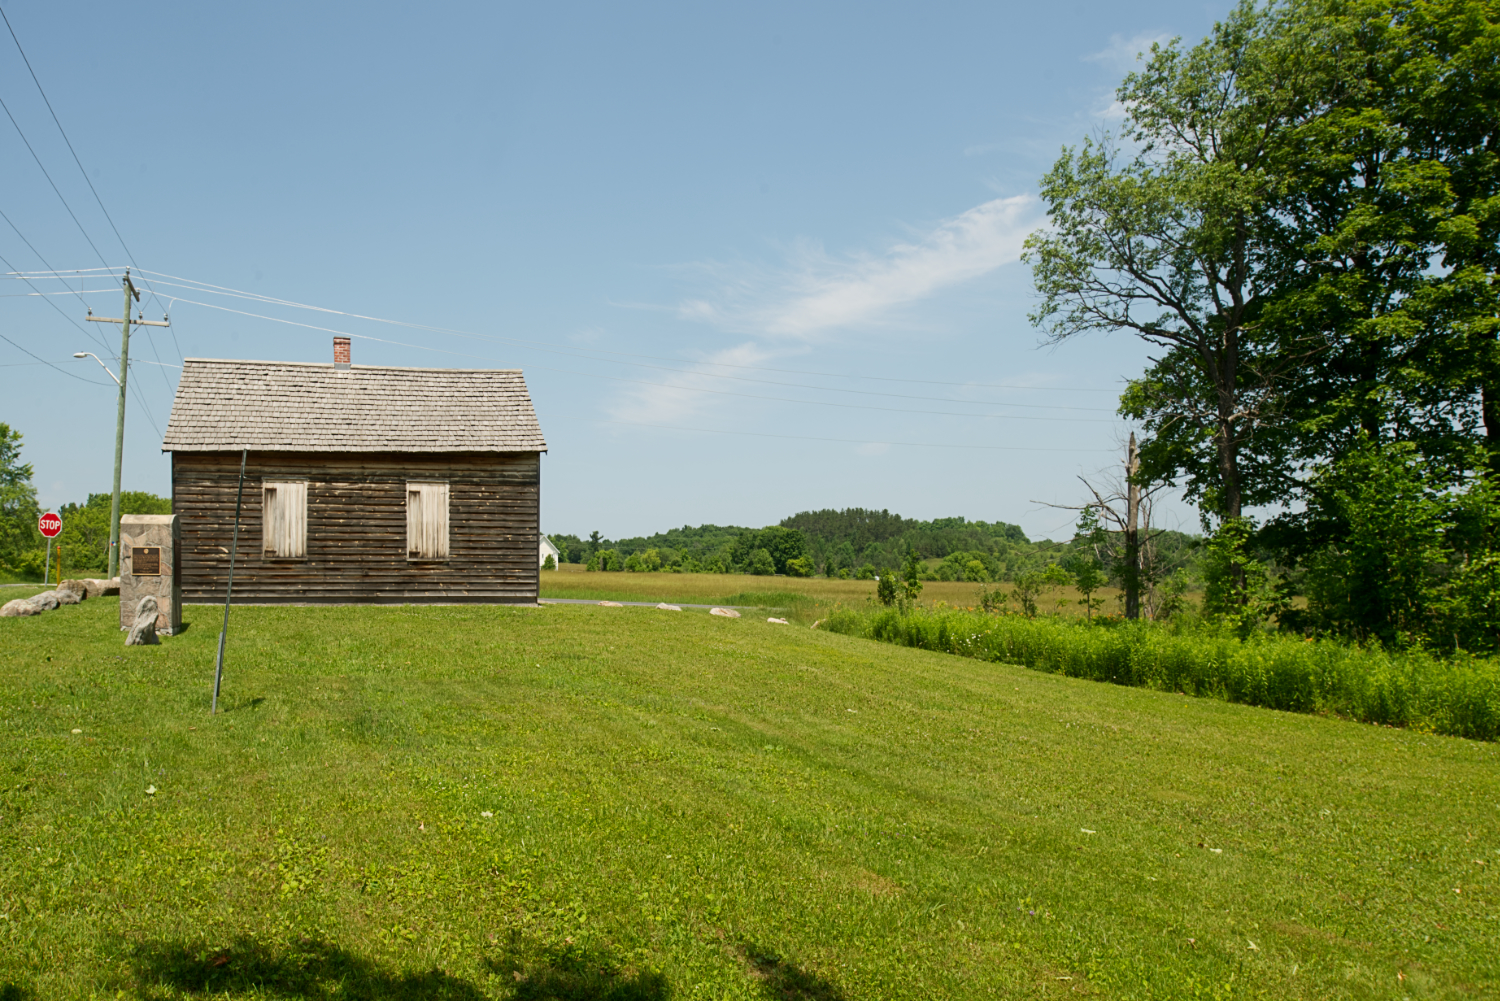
x: 427, y: 521
x: 284, y: 520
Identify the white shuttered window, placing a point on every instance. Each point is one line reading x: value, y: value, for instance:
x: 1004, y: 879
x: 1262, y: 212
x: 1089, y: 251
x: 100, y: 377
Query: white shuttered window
x: 284, y: 520
x: 427, y: 521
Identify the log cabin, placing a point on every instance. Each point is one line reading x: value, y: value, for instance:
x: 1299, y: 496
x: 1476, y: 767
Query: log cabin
x: 363, y: 484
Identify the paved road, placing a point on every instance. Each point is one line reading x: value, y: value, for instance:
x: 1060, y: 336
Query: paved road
x: 638, y: 604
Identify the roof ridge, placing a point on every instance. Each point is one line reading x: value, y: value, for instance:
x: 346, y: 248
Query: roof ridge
x: 224, y: 404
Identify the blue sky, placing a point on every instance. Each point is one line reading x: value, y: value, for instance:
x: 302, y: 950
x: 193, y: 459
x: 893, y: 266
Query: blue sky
x: 753, y: 260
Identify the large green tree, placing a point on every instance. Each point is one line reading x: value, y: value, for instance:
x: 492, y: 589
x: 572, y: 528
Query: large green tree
x: 18, y: 510
x: 1164, y: 233
x: 1382, y: 245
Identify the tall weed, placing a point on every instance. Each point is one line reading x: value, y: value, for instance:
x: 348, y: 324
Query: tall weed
x: 1456, y: 697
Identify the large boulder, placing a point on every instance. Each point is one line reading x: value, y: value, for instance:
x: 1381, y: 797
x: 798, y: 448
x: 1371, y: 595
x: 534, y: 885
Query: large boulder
x: 143, y: 633
x: 17, y: 608
x: 78, y: 587
x: 65, y: 597
x: 44, y: 602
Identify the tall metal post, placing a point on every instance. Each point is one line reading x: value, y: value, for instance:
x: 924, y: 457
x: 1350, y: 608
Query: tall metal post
x: 114, y: 501
x: 234, y: 547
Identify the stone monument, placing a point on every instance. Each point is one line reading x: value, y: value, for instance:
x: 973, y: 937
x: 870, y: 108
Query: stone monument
x: 151, y: 564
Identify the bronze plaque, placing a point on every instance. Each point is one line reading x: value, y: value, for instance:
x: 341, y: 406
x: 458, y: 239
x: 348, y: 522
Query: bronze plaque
x: 145, y: 561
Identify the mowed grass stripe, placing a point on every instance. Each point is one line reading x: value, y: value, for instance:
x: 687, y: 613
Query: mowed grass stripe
x: 692, y: 802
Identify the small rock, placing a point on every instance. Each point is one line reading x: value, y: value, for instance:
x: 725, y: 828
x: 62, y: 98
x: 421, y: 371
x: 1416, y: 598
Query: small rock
x: 669, y: 608
x: 611, y: 604
x: 44, y: 602
x: 728, y: 613
x: 78, y: 587
x: 143, y: 633
x: 779, y: 622
x: 17, y: 608
x: 150, y: 790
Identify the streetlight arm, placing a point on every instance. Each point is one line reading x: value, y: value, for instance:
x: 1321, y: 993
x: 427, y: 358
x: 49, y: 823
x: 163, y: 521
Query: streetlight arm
x: 90, y: 354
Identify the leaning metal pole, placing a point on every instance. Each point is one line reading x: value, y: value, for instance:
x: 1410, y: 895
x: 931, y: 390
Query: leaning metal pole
x: 234, y: 547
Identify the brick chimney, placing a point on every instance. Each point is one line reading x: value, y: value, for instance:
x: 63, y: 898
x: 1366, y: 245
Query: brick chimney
x: 341, y: 352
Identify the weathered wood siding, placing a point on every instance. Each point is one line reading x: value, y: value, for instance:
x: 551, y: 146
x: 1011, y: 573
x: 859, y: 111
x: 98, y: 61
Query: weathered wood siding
x: 356, y: 527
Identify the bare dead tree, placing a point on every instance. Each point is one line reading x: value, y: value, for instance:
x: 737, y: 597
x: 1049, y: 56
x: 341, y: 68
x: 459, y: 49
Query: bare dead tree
x: 1130, y: 543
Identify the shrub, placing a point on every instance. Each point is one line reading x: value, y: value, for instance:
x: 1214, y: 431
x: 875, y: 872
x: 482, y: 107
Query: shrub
x: 866, y: 572
x: 1236, y: 587
x: 1459, y: 696
x: 761, y: 563
x: 885, y: 588
x: 799, y: 567
x: 548, y: 564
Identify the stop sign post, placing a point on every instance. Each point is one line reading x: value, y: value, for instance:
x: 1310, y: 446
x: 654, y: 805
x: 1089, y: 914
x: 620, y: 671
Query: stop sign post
x: 50, y: 525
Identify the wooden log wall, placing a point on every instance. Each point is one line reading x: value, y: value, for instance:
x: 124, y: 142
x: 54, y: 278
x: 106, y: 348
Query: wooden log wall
x: 356, y: 528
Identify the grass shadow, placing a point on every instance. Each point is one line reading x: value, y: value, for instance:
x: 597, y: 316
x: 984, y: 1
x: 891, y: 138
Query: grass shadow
x: 311, y: 970
x: 782, y: 980
x: 15, y: 992
x: 575, y: 973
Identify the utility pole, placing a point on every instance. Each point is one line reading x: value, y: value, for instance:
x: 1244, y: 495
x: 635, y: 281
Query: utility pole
x: 125, y: 323
x: 1132, y: 532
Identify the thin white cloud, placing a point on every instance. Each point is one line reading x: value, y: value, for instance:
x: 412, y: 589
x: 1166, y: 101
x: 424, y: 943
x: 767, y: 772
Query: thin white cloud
x: 1123, y: 53
x: 682, y: 395
x: 818, y: 293
x: 785, y: 310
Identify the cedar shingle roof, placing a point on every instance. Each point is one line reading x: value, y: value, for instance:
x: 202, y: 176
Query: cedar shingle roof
x: 304, y: 407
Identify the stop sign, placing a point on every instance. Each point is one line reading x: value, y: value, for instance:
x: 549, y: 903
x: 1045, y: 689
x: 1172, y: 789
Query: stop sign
x: 49, y: 525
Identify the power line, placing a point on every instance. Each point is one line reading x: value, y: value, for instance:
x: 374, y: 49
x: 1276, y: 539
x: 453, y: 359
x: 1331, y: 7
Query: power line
x: 49, y: 364
x: 224, y: 290
x: 654, y: 385
x: 212, y: 289
x: 847, y: 441
x: 63, y: 132
x: 87, y: 333
x: 141, y: 403
x: 49, y: 178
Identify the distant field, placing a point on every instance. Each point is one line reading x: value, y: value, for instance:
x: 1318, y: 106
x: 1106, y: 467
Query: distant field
x: 586, y: 803
x: 744, y: 589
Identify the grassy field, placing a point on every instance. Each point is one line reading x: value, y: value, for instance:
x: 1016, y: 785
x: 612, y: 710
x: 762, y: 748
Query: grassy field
x: 744, y: 589
x: 580, y: 802
x: 1458, y: 696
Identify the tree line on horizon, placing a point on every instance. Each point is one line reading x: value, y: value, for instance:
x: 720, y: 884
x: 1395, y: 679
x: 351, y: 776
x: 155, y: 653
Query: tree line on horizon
x: 848, y: 543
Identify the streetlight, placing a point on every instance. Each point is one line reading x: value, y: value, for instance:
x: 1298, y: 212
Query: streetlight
x: 90, y: 354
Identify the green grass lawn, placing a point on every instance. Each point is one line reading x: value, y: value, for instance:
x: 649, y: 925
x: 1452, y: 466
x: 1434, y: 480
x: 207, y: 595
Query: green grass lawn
x: 813, y: 594
x: 578, y: 802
